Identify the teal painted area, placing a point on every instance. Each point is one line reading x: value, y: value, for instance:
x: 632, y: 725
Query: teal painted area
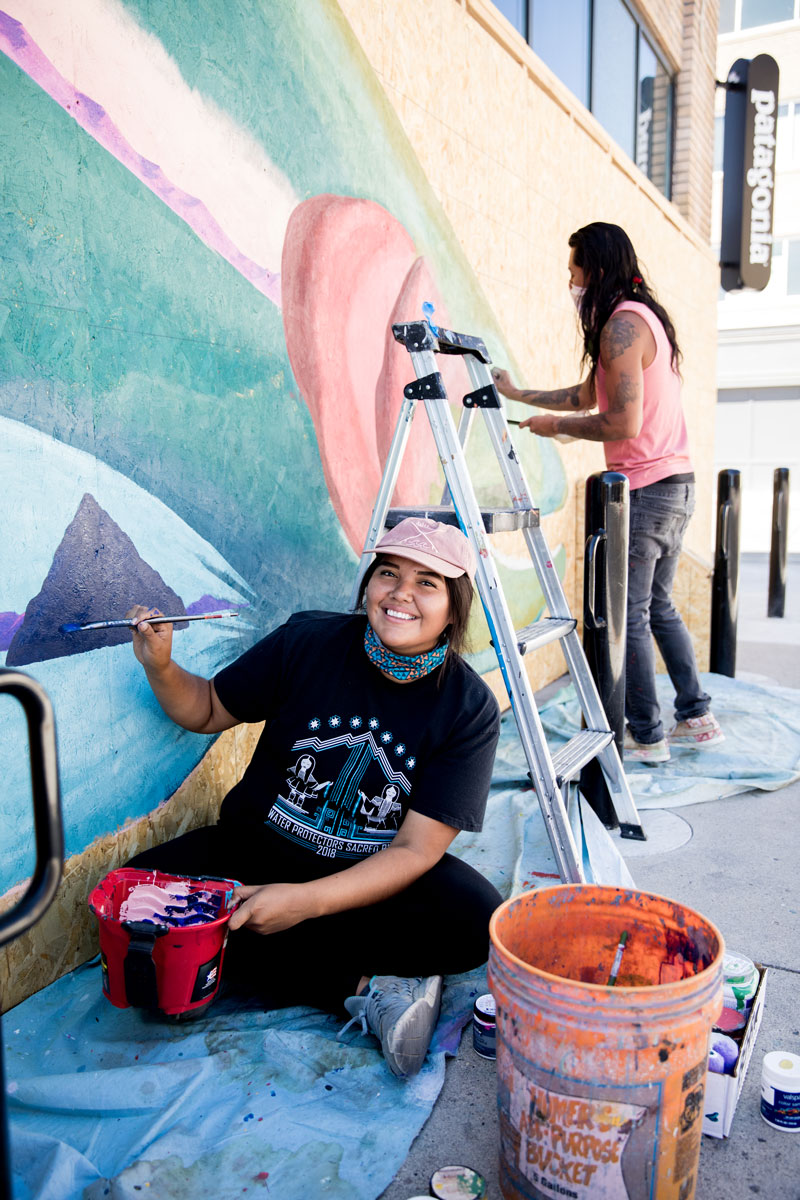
x: 124, y: 336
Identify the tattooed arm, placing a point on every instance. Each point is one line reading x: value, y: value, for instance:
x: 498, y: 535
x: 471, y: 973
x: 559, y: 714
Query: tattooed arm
x: 569, y: 399
x: 626, y: 348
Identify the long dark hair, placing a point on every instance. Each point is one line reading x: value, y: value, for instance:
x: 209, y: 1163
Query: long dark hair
x: 606, y: 255
x: 459, y: 594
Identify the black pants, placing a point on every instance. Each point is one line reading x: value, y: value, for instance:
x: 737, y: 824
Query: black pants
x: 439, y: 925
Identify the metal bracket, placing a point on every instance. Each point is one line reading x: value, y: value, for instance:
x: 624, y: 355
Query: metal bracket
x: 428, y: 387
x: 483, y: 398
x: 415, y: 336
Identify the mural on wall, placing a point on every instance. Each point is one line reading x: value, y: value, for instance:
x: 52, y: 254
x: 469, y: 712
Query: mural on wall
x: 211, y: 219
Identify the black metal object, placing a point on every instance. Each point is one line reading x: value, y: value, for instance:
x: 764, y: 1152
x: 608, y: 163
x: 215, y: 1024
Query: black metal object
x: 748, y: 162
x: 776, y: 601
x: 49, y: 846
x: 482, y: 398
x: 428, y: 387
x: 605, y: 603
x: 725, y: 583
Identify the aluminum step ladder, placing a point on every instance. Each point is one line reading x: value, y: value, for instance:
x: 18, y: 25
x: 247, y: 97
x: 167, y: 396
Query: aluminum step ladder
x: 550, y: 774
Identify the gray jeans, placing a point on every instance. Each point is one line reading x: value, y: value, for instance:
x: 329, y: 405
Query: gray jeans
x: 660, y: 513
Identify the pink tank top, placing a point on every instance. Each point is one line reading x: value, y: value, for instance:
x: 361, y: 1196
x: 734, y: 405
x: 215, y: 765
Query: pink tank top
x: 661, y: 447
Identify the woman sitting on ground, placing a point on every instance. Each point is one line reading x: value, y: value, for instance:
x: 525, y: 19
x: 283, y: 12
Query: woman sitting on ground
x: 378, y: 738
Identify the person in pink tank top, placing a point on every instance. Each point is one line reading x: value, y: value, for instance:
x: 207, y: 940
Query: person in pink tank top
x: 633, y: 382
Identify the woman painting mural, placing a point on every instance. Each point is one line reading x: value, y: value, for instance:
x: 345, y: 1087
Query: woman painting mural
x: 630, y: 346
x: 377, y: 749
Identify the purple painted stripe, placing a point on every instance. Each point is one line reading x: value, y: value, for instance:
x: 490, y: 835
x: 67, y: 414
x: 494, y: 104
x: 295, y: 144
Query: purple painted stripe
x: 17, y: 44
x: 9, y: 624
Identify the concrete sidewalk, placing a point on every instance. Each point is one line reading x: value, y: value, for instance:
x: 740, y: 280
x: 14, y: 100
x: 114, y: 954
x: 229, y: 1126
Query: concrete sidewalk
x: 737, y: 865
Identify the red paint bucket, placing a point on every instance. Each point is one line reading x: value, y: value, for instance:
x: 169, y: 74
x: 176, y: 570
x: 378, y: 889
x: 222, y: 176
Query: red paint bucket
x: 149, y: 964
x: 600, y: 1088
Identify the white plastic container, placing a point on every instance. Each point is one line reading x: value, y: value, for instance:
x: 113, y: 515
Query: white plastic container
x: 780, y: 1090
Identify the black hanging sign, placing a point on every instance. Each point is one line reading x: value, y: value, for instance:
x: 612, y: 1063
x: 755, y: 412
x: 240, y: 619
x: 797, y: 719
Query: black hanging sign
x: 748, y: 164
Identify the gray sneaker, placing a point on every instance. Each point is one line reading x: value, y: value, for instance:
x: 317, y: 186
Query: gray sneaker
x: 402, y: 1014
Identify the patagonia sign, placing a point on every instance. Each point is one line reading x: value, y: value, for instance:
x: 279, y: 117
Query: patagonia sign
x: 748, y: 192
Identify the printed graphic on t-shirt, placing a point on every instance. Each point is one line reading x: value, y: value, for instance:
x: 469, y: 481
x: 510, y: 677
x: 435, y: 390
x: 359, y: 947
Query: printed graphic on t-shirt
x: 345, y: 787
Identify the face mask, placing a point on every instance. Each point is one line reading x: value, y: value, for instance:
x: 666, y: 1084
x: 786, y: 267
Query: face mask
x: 577, y: 294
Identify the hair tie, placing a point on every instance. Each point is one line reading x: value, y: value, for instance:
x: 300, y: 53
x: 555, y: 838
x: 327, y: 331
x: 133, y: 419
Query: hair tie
x: 637, y: 279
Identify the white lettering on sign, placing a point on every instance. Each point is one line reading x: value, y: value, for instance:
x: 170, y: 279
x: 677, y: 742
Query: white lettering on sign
x: 761, y: 176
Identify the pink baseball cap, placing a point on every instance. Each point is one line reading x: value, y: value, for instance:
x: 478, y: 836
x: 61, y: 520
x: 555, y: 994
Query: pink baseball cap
x: 443, y: 548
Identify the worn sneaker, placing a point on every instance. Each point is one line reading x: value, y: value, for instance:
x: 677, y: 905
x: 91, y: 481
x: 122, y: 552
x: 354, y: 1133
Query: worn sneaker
x: 701, y: 732
x: 402, y: 1014
x: 646, y: 752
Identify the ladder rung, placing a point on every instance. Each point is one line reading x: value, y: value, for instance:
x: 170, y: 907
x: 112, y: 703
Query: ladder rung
x: 539, y: 633
x: 495, y: 520
x: 579, y: 750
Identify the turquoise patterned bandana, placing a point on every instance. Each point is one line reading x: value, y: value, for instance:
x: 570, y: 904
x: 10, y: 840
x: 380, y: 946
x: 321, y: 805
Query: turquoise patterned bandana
x: 403, y: 667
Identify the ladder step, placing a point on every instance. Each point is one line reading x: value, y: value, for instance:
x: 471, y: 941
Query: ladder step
x: 579, y: 750
x: 539, y: 633
x: 495, y: 520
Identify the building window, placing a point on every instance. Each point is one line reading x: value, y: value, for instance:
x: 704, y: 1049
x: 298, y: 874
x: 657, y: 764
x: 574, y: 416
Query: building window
x: 793, y: 267
x: 569, y: 56
x: 787, y: 149
x: 750, y: 14
x: 601, y: 50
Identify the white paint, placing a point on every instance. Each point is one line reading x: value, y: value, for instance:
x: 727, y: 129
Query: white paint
x: 99, y: 47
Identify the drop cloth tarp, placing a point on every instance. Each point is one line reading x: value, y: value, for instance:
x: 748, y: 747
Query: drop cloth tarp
x: 111, y: 1103
x: 761, y: 722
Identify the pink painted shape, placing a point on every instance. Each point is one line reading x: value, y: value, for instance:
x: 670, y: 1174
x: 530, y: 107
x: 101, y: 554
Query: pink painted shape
x: 23, y: 50
x: 345, y: 268
x: 418, y: 471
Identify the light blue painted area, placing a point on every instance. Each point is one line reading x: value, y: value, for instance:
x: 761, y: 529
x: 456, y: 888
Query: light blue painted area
x: 119, y: 756
x: 43, y: 482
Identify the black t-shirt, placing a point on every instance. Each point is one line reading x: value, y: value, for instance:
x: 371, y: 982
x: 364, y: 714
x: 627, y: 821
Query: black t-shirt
x: 345, y: 752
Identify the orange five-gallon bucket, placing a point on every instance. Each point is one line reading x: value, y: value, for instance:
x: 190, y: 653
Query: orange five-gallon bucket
x: 600, y: 1088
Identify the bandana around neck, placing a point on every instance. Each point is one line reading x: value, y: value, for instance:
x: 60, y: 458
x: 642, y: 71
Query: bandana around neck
x: 403, y: 667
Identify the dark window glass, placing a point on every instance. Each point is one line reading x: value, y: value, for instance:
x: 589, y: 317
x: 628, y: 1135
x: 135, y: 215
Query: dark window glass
x: 653, y: 117
x: 517, y: 13
x: 726, y: 15
x: 766, y: 12
x: 614, y: 71
x: 793, y: 267
x: 560, y: 35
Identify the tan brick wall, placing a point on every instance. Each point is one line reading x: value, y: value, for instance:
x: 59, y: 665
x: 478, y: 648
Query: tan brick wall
x: 694, y: 115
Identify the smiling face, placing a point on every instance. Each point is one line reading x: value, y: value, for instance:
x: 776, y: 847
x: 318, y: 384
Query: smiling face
x: 407, y: 605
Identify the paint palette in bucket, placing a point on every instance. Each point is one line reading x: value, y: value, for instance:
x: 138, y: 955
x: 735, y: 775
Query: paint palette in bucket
x: 162, y: 938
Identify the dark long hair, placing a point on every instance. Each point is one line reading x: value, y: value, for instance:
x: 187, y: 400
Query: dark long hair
x: 606, y: 255
x: 459, y: 593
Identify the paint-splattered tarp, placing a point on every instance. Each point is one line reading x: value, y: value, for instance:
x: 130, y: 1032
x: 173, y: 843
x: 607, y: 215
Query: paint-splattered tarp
x: 111, y: 1103
x: 761, y: 722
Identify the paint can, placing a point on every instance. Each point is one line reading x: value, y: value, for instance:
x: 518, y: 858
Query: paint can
x: 484, y: 1026
x: 780, y: 1090
x: 601, y: 1088
x: 457, y: 1183
x: 169, y: 965
x: 740, y: 976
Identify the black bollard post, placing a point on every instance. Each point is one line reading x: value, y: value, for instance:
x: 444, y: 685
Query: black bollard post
x: 725, y: 583
x: 776, y: 601
x: 605, y: 603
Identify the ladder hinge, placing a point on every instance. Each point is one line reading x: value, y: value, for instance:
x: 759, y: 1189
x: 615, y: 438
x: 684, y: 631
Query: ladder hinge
x: 486, y: 397
x: 428, y: 387
x: 415, y: 336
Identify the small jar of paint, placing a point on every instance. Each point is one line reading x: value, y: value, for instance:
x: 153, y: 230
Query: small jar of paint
x: 740, y: 983
x: 780, y: 1090
x: 484, y: 1026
